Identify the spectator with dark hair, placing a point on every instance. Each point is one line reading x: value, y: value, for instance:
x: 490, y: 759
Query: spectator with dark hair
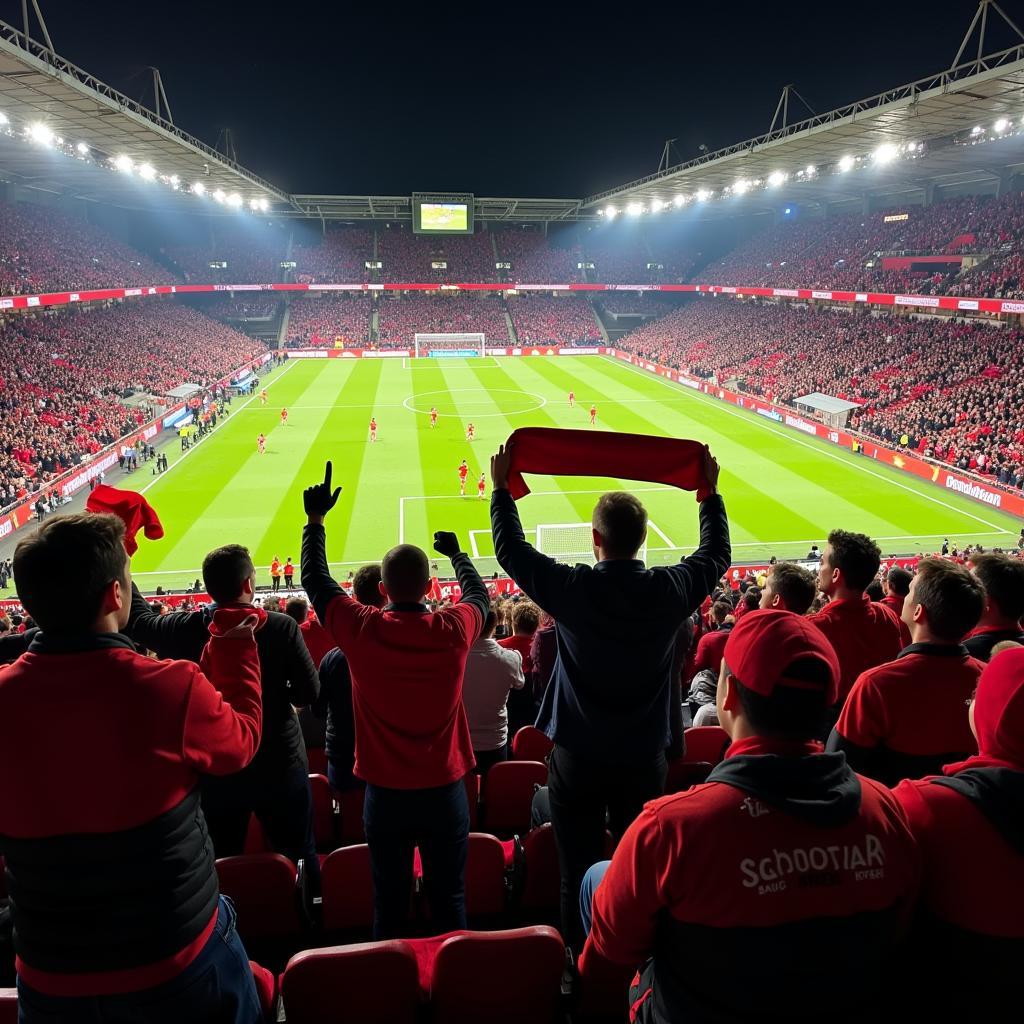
x: 785, y: 861
x: 492, y: 672
x: 970, y: 815
x: 314, y: 733
x: 275, y: 786
x: 413, y: 747
x: 863, y: 633
x: 789, y: 587
x: 318, y: 643
x: 1003, y: 580
x: 895, y: 587
x: 607, y: 707
x: 874, y: 591
x: 335, y: 700
x: 711, y: 645
x: 522, y: 704
x: 115, y: 901
x: 905, y: 719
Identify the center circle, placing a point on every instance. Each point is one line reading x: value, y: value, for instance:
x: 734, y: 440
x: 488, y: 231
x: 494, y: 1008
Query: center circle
x: 421, y: 403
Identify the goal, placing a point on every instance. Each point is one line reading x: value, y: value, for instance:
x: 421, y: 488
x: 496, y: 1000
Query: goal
x: 572, y: 542
x: 450, y: 345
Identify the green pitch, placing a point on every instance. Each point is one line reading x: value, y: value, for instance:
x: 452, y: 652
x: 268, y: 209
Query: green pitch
x: 784, y: 491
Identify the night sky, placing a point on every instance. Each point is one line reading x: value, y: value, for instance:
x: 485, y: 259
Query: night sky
x: 560, y: 100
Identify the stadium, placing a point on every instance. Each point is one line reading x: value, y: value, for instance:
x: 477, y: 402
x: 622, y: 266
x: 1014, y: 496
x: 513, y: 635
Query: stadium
x: 817, y: 329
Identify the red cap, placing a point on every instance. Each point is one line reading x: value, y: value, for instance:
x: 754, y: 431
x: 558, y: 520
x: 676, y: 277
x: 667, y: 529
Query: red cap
x: 999, y: 708
x: 765, y: 642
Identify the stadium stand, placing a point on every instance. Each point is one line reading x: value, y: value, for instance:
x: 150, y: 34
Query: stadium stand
x: 340, y: 256
x: 952, y: 388
x: 535, y: 260
x: 400, y: 319
x: 562, y: 320
x: 408, y: 258
x: 47, y: 250
x: 253, y: 252
x: 317, y: 322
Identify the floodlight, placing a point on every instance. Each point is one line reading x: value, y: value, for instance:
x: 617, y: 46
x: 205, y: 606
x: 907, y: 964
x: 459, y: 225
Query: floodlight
x: 679, y: 200
x: 147, y: 172
x: 634, y: 209
x: 234, y: 199
x: 776, y: 178
x: 263, y: 204
x: 810, y: 169
x: 123, y: 163
x: 219, y: 196
x: 886, y: 153
x: 174, y: 180
x: 846, y: 163
x: 703, y: 194
x: 39, y: 132
x: 1001, y: 125
x: 977, y: 130
x: 199, y: 188
x: 789, y: 209
x: 610, y: 212
x: 656, y: 205
x: 4, y: 119
x: 83, y: 149
x: 741, y: 186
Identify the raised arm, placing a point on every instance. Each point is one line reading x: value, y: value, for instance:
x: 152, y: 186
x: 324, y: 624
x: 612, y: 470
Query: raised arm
x: 695, y: 577
x: 316, y: 577
x: 541, y: 578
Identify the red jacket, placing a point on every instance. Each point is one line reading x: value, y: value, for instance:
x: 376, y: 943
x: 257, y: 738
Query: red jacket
x: 863, y: 633
x: 318, y: 641
x: 807, y: 893
x: 103, y: 792
x: 908, y: 717
x: 710, y: 648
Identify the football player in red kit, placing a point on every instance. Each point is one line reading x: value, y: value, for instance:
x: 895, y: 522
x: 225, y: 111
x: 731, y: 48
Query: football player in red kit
x: 284, y: 416
x: 463, y: 473
x: 373, y: 428
x: 261, y: 444
x: 593, y: 415
x: 481, y: 486
x: 572, y: 399
x: 433, y: 417
x: 470, y: 431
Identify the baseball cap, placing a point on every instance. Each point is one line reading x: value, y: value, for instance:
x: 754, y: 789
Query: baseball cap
x: 999, y: 708
x: 765, y: 642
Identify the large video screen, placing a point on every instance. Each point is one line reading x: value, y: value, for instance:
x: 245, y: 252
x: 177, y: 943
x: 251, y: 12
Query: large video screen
x: 442, y: 214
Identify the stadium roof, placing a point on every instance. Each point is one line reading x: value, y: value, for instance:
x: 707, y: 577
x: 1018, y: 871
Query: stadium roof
x: 37, y: 86
x: 941, y: 111
x: 516, y: 211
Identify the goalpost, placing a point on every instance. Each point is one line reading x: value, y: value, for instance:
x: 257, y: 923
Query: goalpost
x: 439, y: 346
x: 572, y: 542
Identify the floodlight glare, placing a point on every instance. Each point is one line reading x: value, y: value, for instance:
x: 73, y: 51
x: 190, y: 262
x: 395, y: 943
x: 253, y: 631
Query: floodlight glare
x: 4, y: 119
x: 1001, y: 125
x: 83, y: 149
x: 789, y: 209
x: 977, y: 130
x: 885, y: 153
x: 123, y: 163
x: 776, y: 178
x: 174, y: 180
x: 610, y: 212
x: 634, y: 209
x: 679, y: 200
x: 656, y: 205
x: 39, y: 132
x: 741, y: 186
x: 263, y: 204
x: 846, y: 163
x: 199, y: 188
x: 810, y: 169
x: 703, y: 194
x: 219, y: 196
x: 234, y: 199
x: 147, y: 172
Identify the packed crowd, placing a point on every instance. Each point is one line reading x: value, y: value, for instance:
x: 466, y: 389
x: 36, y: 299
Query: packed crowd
x: 400, y: 319
x: 408, y: 257
x: 635, y: 303
x: 253, y: 252
x: 340, y: 257
x: 47, y: 250
x: 317, y: 322
x: 63, y: 381
x: 559, y: 320
x: 862, y: 739
x: 839, y: 252
x: 258, y: 307
x: 952, y: 389
x: 535, y: 260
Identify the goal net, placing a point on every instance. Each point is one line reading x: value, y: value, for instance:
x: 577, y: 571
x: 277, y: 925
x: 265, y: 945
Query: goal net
x: 450, y: 345
x: 572, y: 542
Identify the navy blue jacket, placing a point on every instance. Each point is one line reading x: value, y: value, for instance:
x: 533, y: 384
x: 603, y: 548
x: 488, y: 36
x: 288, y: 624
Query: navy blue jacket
x: 616, y: 629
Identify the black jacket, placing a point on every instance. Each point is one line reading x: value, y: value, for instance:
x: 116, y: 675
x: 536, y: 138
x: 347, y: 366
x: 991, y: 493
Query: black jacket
x: 616, y: 630
x: 287, y: 673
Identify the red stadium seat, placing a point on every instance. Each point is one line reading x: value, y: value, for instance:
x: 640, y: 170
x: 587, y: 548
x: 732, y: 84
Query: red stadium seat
x: 540, y: 893
x: 508, y: 796
x: 684, y: 774
x: 255, y: 838
x: 325, y: 832
x: 509, y: 977
x: 705, y: 743
x: 347, y: 886
x: 485, y: 876
x: 263, y: 889
x: 266, y: 990
x: 530, y: 744
x: 8, y: 1006
x: 368, y: 983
